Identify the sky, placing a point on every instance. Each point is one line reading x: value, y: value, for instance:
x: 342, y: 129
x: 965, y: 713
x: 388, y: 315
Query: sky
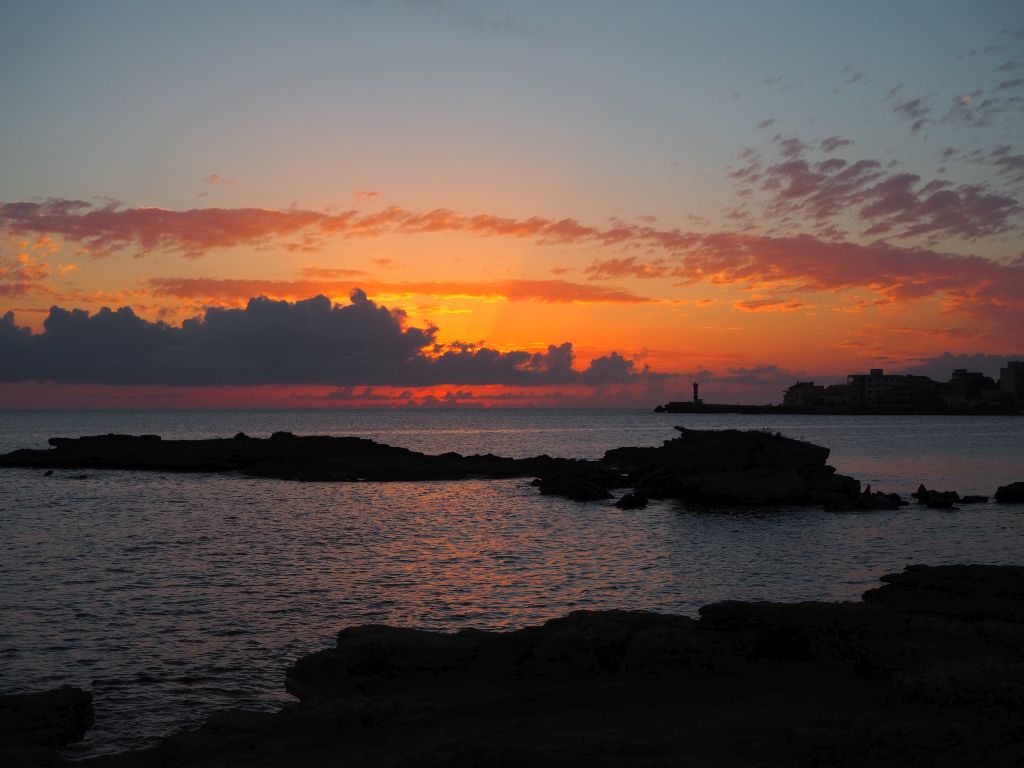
x: 451, y: 202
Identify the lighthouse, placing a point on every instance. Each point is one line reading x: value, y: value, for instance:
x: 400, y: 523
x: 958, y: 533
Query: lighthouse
x: 696, y: 398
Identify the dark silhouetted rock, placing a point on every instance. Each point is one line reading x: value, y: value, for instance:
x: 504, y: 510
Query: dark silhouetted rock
x: 936, y: 499
x: 928, y: 670
x: 970, y: 592
x: 1011, y: 494
x: 732, y: 467
x: 876, y: 500
x: 33, y: 725
x: 282, y: 456
x: 712, y: 467
x: 973, y: 499
x: 632, y: 500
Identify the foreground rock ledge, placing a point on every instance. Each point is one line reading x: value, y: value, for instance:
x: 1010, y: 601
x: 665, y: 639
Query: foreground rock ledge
x: 705, y: 466
x: 928, y: 670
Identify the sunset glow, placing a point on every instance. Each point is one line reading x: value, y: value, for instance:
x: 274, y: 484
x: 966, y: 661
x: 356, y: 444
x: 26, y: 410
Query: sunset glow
x: 663, y: 186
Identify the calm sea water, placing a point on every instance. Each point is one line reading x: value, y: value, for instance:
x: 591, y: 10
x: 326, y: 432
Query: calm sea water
x: 170, y: 596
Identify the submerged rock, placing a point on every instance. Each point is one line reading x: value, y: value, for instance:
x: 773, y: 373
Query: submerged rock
x: 927, y: 670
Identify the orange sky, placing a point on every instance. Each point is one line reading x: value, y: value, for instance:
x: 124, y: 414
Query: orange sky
x: 829, y: 216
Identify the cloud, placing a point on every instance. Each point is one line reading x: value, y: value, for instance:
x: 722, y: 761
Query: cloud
x: 901, y: 205
x: 894, y: 204
x: 832, y: 143
x: 277, y: 342
x: 977, y: 110
x: 22, y: 274
x: 941, y: 367
x: 216, y: 180
x: 913, y: 110
x: 108, y: 228
x: 770, y: 305
x: 365, y: 194
x: 766, y: 123
x: 330, y: 273
x: 977, y: 287
x: 101, y: 230
x: 796, y: 185
x: 546, y: 291
x: 627, y: 267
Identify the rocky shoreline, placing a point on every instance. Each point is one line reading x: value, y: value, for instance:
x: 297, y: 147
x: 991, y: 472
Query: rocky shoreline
x: 927, y: 669
x: 708, y: 467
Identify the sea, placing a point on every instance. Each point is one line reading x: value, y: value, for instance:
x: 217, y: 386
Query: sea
x: 171, y: 596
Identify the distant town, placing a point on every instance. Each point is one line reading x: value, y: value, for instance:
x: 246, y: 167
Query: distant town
x: 878, y: 392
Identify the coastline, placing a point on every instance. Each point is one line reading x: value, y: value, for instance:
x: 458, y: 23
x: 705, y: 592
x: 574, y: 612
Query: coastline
x: 823, y: 410
x: 926, y: 669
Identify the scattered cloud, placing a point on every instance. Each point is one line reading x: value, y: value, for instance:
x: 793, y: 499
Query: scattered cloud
x: 913, y: 110
x: 216, y: 180
x: 771, y: 305
x: 887, y: 203
x: 22, y: 274
x: 627, y: 267
x: 832, y: 143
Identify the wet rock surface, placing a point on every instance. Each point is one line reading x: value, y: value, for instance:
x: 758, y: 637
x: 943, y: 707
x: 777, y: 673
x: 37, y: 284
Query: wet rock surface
x: 928, y: 670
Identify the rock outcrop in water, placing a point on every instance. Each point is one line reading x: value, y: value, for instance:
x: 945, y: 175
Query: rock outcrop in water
x: 928, y: 670
x: 1011, y: 494
x: 732, y: 467
x: 282, y: 456
x: 728, y: 467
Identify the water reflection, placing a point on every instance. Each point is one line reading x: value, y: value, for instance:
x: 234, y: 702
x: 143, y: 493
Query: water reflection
x: 173, y: 595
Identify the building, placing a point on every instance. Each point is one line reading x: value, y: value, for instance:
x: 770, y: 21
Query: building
x: 1011, y: 382
x: 807, y: 394
x: 970, y: 389
x: 878, y: 389
x: 835, y: 395
x: 802, y: 394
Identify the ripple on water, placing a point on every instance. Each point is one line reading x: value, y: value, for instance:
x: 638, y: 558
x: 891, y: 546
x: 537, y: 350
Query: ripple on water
x: 174, y: 595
